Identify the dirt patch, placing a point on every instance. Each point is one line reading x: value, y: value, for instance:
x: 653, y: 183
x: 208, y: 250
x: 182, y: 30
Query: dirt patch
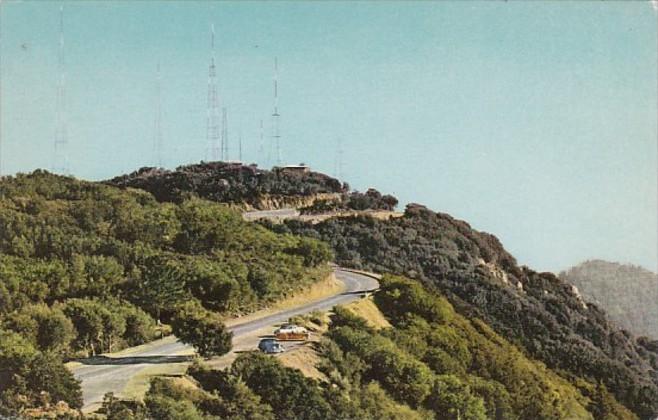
x: 366, y: 309
x: 304, y: 358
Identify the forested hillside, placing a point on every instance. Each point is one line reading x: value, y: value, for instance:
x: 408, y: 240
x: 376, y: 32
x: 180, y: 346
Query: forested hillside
x: 542, y: 314
x: 432, y: 363
x: 88, y: 268
x: 629, y: 294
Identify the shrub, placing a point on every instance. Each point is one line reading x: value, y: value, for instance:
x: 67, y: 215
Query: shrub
x: 453, y: 400
x: 165, y: 408
x: 290, y: 394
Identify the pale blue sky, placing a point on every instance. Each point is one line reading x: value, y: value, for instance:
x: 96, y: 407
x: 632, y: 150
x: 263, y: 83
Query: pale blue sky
x: 533, y: 120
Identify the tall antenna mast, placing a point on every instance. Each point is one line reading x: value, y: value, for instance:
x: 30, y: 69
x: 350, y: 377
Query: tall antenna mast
x: 60, y: 160
x: 338, y: 163
x: 240, y: 146
x: 157, y: 133
x: 275, y: 115
x: 261, y: 145
x: 212, y: 118
x: 224, y: 151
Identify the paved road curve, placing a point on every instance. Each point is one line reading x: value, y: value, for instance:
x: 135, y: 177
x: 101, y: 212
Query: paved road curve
x: 111, y: 374
x: 274, y: 215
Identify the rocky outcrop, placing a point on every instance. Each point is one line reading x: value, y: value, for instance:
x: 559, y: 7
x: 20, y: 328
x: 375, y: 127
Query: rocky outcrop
x: 276, y: 202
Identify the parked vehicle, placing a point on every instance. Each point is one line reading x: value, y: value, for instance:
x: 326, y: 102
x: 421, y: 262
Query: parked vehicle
x: 291, y: 332
x: 270, y: 346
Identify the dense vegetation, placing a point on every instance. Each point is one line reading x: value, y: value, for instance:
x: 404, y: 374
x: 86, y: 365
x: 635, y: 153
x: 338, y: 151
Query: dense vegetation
x: 457, y: 368
x: 257, y: 387
x: 432, y: 364
x: 628, y: 293
x: 537, y: 311
x: 87, y: 268
x: 227, y: 183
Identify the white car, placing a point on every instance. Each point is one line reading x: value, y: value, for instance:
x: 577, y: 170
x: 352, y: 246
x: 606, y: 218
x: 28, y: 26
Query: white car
x: 291, y: 332
x: 290, y: 329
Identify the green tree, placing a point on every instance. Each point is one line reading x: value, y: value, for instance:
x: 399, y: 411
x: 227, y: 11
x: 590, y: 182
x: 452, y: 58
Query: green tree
x: 399, y: 295
x: 452, y: 399
x: 48, y: 374
x: 47, y: 328
x: 343, y: 317
x: 165, y: 408
x: 100, y: 276
x: 88, y: 318
x: 56, y: 331
x: 215, y: 287
x: 5, y: 298
x: 160, y: 286
x: 21, y: 322
x: 312, y: 251
x: 408, y: 380
x: 115, y: 409
x: 29, y: 378
x: 15, y: 353
x: 204, y: 330
x: 234, y: 399
x: 377, y: 404
x: 602, y: 403
x: 290, y: 394
x: 140, y: 327
x: 114, y: 326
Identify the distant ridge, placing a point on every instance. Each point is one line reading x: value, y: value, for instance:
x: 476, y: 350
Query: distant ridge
x: 628, y: 293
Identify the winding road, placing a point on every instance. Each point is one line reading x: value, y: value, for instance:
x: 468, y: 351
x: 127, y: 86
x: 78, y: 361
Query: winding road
x: 103, y: 374
x: 274, y: 215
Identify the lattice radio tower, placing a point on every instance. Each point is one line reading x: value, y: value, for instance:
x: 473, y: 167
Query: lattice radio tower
x: 276, y: 134
x: 338, y: 160
x: 224, y: 149
x: 212, y: 120
x: 261, y: 144
x: 158, y: 138
x: 240, y: 146
x: 60, y: 158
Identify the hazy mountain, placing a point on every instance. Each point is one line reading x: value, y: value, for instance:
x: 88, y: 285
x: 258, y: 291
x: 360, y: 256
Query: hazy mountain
x: 628, y: 293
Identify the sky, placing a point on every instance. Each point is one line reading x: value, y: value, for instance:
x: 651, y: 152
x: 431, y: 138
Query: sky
x: 532, y: 120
